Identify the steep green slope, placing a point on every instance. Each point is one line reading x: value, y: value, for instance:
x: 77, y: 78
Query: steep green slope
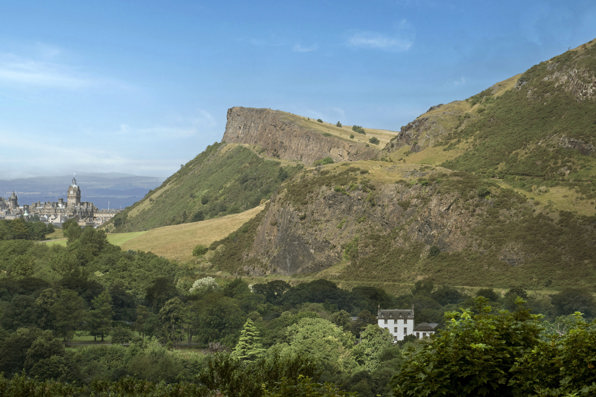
x: 537, y: 129
x: 376, y: 221
x: 224, y: 179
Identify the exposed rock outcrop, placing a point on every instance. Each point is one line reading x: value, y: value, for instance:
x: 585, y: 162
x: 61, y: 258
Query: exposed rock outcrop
x: 288, y: 137
x: 309, y: 226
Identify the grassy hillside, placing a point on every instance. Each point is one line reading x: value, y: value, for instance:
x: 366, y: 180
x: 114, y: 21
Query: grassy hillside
x: 178, y: 241
x: 399, y: 223
x: 534, y: 131
x: 496, y: 190
x: 224, y: 179
x: 345, y: 131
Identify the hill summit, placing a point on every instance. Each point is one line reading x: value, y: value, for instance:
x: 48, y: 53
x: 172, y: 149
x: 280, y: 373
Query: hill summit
x: 289, y: 137
x: 260, y: 149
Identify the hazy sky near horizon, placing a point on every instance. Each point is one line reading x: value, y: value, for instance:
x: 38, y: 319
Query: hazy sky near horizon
x: 142, y: 87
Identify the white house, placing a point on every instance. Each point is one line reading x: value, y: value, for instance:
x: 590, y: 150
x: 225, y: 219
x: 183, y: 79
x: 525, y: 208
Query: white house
x: 400, y: 323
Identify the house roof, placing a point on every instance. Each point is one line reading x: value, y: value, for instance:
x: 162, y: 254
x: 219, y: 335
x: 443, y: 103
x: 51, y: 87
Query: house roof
x: 395, y: 313
x: 425, y: 327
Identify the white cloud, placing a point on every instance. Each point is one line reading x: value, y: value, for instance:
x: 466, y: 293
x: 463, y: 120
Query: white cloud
x: 461, y: 81
x: 22, y: 71
x: 301, y: 48
x: 375, y: 40
x: 40, y: 65
x: 400, y: 40
x: 176, y: 127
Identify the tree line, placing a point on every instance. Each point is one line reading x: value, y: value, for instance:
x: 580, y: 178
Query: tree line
x: 270, y: 338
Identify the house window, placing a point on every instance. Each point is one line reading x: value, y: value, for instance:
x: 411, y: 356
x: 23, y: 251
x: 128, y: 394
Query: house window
x: 395, y: 330
x: 385, y: 321
x: 405, y: 331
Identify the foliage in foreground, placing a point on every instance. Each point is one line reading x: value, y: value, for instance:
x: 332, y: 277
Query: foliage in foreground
x: 487, y: 353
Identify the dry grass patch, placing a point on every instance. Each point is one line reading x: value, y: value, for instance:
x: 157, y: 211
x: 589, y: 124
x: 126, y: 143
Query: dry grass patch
x: 177, y: 242
x: 345, y: 131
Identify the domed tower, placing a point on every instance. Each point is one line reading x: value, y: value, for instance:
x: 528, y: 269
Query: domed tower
x: 73, y: 198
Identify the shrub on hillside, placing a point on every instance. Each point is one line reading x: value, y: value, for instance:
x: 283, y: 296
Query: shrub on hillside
x: 358, y: 129
x: 323, y: 161
x: 199, y: 250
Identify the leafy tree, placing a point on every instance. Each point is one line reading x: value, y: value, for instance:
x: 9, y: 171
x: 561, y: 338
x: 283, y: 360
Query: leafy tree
x: 216, y: 317
x: 68, y: 310
x: 445, y: 295
x: 341, y: 319
x: 572, y: 300
x: 489, y: 294
x: 14, y: 349
x: 21, y: 312
x: 100, y: 316
x: 273, y: 291
x: 371, y: 298
x: 249, y: 345
x: 562, y: 364
x: 123, y: 304
x: 122, y: 335
x: 161, y: 290
x: 71, y: 229
x: 423, y: 287
x: 327, y: 345
x: 338, y: 124
x: 88, y: 244
x: 373, y: 342
x: 45, y: 357
x: 473, y: 356
x: 172, y: 317
x: 203, y: 285
x: 146, y: 321
x: 512, y: 297
x: 364, y: 319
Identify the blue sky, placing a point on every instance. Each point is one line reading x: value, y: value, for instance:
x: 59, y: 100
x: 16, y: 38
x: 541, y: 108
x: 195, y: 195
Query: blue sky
x: 143, y: 86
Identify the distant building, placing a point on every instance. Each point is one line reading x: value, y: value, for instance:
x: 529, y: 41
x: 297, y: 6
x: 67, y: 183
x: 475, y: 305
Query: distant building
x: 58, y: 212
x: 400, y: 323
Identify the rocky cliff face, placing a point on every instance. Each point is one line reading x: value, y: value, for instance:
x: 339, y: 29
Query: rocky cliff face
x: 285, y: 136
x: 389, y: 223
x: 337, y: 223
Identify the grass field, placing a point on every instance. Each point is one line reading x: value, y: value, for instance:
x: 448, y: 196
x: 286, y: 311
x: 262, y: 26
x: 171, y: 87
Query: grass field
x: 345, y: 131
x: 177, y: 242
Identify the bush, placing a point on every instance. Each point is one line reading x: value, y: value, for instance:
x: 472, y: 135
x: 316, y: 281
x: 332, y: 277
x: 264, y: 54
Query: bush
x: 326, y: 160
x: 319, y: 120
x: 374, y: 140
x: 338, y: 124
x: 199, y: 250
x: 358, y: 129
